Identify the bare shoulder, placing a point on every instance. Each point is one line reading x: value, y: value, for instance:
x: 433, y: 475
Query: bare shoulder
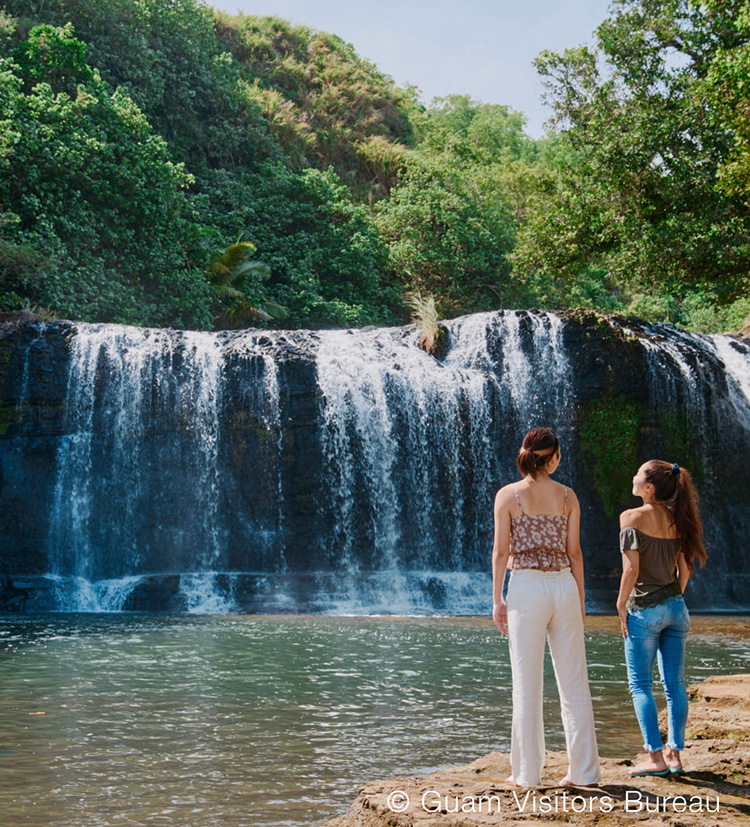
x: 505, y: 496
x: 573, y: 504
x: 631, y: 518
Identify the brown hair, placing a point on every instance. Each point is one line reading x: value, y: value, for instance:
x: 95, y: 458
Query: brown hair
x: 675, y: 488
x: 537, y: 449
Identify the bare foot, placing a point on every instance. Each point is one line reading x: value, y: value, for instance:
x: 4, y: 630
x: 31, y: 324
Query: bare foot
x: 649, y: 767
x: 509, y: 780
x: 566, y: 782
x: 672, y: 758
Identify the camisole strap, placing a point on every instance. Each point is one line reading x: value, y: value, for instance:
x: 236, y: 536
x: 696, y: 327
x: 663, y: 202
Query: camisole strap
x: 565, y: 507
x: 518, y: 499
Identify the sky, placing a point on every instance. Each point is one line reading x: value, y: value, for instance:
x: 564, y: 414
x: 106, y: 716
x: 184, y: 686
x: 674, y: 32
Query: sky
x: 479, y: 48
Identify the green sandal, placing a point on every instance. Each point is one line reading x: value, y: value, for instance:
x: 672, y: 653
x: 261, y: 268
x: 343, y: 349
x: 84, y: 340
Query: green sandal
x: 639, y: 772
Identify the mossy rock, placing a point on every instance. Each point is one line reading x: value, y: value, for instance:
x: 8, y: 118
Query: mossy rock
x: 435, y: 343
x: 609, y: 434
x: 9, y: 416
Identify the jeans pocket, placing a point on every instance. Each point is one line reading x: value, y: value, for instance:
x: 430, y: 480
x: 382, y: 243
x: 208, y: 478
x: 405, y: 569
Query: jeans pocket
x: 651, y: 618
x: 683, y: 621
x: 679, y: 615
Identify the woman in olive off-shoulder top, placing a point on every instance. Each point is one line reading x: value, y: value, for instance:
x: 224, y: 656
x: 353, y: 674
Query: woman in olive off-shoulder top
x: 659, y: 542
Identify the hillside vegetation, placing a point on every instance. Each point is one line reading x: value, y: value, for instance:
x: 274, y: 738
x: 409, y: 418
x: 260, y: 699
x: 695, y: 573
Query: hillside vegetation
x: 165, y: 163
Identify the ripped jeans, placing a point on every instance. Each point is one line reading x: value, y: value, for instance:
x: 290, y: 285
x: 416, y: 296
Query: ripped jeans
x: 658, y: 630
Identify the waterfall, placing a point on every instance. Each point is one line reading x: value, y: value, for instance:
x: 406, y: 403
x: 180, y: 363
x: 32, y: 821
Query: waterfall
x: 700, y: 391
x: 735, y: 357
x: 142, y: 448
x: 676, y: 360
x: 413, y: 446
x: 340, y: 471
x: 408, y: 440
x: 26, y: 371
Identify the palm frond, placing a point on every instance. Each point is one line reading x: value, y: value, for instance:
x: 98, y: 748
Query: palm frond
x: 274, y: 310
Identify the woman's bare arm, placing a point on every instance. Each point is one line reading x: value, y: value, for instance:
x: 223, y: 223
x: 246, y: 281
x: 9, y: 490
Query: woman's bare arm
x: 500, y: 551
x: 683, y: 571
x: 630, y: 567
x: 573, y: 547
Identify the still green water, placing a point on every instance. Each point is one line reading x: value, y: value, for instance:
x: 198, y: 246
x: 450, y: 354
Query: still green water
x: 254, y: 721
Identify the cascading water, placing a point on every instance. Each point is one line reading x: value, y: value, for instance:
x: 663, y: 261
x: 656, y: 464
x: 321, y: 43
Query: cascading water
x: 735, y: 357
x: 674, y: 358
x: 413, y: 448
x: 143, y: 422
x: 343, y: 471
x: 700, y: 390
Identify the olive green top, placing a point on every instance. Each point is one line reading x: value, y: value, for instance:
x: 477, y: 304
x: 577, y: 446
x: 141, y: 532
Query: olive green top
x: 657, y: 571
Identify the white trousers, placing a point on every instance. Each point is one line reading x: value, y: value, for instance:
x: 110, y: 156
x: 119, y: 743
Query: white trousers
x: 545, y: 605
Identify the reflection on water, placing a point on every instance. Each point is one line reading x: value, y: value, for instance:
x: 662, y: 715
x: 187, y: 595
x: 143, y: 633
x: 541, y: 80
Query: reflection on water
x: 250, y: 721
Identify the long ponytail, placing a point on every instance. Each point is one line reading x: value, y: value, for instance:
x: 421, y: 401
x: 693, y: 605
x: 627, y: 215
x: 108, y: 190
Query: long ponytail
x: 675, y: 488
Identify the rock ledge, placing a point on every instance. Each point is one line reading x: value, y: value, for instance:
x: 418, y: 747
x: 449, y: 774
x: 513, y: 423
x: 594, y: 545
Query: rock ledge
x: 715, y: 789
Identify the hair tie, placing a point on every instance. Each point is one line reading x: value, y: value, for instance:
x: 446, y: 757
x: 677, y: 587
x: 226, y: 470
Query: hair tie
x: 675, y: 468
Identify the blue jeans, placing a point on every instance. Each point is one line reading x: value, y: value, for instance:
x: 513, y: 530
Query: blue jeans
x: 658, y: 630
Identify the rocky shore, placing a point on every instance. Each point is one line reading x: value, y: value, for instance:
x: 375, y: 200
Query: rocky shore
x: 715, y: 789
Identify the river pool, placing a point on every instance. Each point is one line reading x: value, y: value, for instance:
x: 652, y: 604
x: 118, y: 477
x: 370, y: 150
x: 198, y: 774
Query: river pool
x: 220, y: 721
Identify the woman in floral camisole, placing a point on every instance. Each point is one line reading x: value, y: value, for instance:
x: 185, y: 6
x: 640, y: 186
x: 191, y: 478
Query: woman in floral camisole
x: 537, y: 537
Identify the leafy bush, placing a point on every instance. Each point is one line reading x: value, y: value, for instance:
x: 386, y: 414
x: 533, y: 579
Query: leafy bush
x: 324, y: 253
x: 704, y: 314
x: 444, y: 240
x: 91, y: 194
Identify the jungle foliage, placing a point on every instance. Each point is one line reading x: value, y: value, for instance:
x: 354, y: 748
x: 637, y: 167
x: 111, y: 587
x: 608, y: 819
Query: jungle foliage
x: 164, y: 163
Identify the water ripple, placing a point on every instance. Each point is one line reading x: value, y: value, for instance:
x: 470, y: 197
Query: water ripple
x: 258, y: 721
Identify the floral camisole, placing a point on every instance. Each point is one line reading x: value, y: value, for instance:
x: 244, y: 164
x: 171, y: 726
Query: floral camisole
x: 539, y: 541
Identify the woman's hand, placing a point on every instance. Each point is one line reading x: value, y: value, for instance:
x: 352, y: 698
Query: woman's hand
x: 500, y: 616
x: 500, y: 552
x: 623, y: 613
x: 630, y: 568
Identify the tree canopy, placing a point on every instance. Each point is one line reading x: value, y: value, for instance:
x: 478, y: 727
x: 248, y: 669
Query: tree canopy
x: 145, y: 145
x: 643, y: 192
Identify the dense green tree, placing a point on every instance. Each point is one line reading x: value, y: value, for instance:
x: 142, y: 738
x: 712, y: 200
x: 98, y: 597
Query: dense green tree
x: 633, y: 194
x: 53, y: 56
x: 451, y: 220
x: 472, y: 132
x: 449, y: 234
x: 727, y: 86
x: 165, y: 56
x: 91, y: 193
x: 326, y: 259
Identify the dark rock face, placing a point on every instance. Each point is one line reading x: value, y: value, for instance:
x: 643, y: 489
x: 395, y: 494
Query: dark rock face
x: 33, y: 378
x: 155, y: 593
x: 163, y: 470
